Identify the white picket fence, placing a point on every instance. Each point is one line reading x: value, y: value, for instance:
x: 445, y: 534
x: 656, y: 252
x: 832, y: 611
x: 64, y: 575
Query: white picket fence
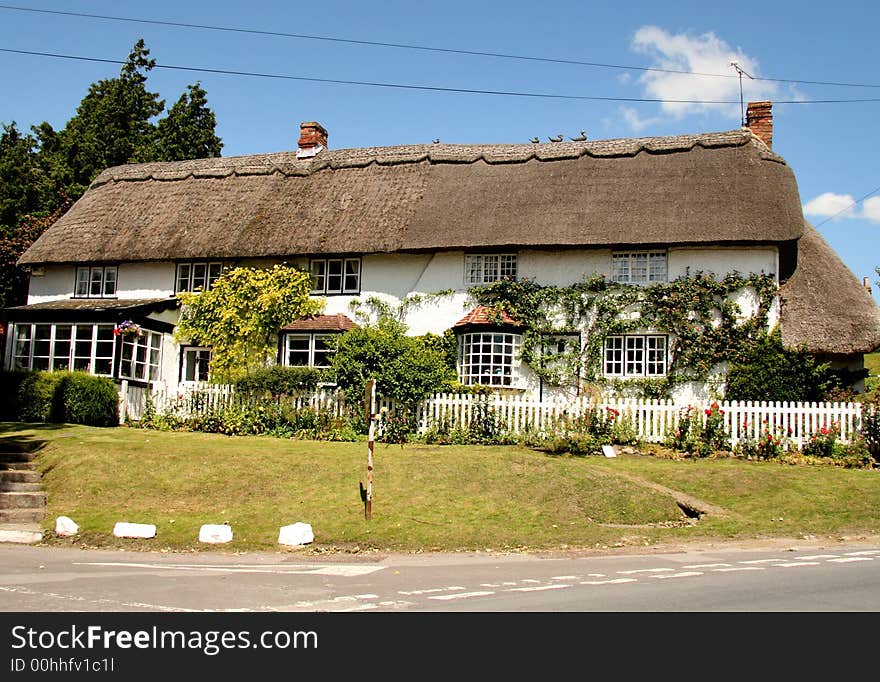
x: 651, y: 420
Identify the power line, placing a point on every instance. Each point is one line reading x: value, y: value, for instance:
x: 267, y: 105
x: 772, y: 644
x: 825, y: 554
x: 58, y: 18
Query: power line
x: 407, y: 86
x: 847, y: 208
x: 424, y: 48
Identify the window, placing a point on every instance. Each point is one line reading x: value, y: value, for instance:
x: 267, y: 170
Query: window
x: 96, y: 282
x: 195, y: 276
x: 635, y: 356
x: 141, y: 355
x: 557, y: 350
x: 336, y: 275
x: 485, y: 268
x: 487, y: 358
x: 638, y: 267
x: 308, y: 350
x: 195, y: 363
x: 82, y: 347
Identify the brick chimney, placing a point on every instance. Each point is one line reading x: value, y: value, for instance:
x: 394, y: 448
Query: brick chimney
x: 312, y: 139
x: 759, y: 119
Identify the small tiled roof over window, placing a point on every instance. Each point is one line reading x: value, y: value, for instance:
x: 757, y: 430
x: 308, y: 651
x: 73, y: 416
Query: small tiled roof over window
x: 322, y: 323
x: 486, y: 316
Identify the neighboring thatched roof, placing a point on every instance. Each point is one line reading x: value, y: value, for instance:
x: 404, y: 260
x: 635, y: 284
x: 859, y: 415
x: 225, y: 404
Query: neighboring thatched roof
x: 824, y: 306
x: 710, y: 188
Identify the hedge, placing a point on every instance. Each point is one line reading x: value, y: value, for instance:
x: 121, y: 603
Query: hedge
x: 59, y: 397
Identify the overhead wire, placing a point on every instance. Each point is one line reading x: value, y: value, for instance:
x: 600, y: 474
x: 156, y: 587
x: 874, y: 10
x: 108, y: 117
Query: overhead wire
x: 424, y: 48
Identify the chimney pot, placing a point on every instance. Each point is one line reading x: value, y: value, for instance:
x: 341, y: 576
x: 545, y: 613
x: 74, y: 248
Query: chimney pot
x: 866, y: 282
x: 759, y: 119
x: 312, y: 138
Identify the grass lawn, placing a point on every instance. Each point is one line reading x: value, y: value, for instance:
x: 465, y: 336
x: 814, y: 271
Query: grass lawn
x: 872, y: 363
x: 432, y: 498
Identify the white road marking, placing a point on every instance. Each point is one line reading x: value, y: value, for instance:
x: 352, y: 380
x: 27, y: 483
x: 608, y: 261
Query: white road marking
x: 647, y: 570
x: 596, y: 575
x: 706, y: 566
x: 760, y: 561
x: 508, y: 583
x: 685, y: 574
x: 565, y: 577
x: 461, y: 595
x: 864, y: 551
x: 529, y: 580
x: 613, y: 581
x: 344, y: 570
x: 366, y: 596
x: 851, y: 559
x: 539, y: 588
x: 798, y: 563
x: 67, y: 597
x: 428, y: 591
x: 739, y: 568
x: 490, y: 585
x: 821, y: 556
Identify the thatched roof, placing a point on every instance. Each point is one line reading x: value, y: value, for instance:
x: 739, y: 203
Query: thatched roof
x: 824, y: 306
x: 723, y: 187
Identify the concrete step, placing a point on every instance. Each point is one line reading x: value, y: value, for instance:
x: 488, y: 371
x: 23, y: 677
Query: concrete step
x: 19, y: 476
x: 26, y: 533
x: 12, y: 500
x: 17, y: 487
x: 22, y: 515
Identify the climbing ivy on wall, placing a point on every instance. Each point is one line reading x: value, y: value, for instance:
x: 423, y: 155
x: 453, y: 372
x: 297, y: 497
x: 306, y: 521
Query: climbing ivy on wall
x: 705, y: 324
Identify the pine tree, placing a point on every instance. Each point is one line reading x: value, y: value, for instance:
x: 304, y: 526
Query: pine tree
x: 187, y: 132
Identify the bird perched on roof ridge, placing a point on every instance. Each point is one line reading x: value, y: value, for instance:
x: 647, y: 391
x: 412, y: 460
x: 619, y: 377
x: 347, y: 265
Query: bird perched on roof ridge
x: 436, y: 140
x: 558, y: 138
x: 535, y: 140
x: 579, y: 138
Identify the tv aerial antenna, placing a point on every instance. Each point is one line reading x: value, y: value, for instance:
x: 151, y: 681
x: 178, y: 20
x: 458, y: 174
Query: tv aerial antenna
x: 741, y: 71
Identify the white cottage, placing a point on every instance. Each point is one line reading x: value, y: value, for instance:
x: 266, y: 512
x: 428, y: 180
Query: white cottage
x: 390, y: 222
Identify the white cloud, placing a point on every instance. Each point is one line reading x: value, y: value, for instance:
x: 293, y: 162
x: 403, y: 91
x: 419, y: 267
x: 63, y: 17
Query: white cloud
x: 871, y: 209
x: 636, y: 122
x: 831, y: 205
x: 707, y: 54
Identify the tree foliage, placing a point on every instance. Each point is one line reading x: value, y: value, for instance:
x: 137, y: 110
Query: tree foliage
x: 187, y: 132
x: 408, y: 369
x: 239, y: 317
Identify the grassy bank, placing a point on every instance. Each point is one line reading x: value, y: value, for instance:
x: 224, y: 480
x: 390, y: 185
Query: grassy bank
x: 426, y: 497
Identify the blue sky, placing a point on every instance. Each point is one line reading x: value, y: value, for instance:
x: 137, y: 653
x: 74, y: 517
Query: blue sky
x: 832, y: 148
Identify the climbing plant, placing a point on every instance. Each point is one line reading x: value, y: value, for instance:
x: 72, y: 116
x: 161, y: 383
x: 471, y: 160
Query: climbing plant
x: 706, y: 325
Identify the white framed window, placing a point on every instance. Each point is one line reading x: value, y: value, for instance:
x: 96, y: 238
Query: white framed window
x: 636, y: 355
x: 97, y: 281
x: 485, y: 268
x: 308, y: 350
x: 195, y: 363
x: 197, y: 276
x: 81, y: 347
x: 638, y: 267
x: 141, y: 356
x: 336, y: 275
x: 488, y: 358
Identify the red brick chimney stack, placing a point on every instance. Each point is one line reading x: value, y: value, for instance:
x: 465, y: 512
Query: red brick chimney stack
x: 759, y: 119
x: 311, y: 136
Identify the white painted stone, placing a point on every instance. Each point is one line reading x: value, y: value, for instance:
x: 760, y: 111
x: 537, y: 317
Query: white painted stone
x: 608, y: 451
x: 296, y: 534
x: 65, y: 526
x: 134, y: 530
x: 215, y: 534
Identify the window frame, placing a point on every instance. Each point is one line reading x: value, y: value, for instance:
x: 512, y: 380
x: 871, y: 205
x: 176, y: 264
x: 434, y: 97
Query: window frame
x: 83, y: 286
x: 478, y: 268
x: 324, y: 277
x: 635, y: 355
x: 146, y: 360
x: 199, y: 350
x: 311, y: 351
x: 75, y: 341
x: 650, y: 256
x: 476, y: 354
x: 191, y: 266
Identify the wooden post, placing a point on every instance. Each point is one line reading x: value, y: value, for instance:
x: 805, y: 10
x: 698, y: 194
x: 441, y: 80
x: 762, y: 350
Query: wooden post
x: 370, y: 404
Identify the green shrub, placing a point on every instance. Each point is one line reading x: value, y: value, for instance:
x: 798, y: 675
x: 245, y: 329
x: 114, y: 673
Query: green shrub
x: 280, y: 381
x: 871, y: 429
x: 65, y: 397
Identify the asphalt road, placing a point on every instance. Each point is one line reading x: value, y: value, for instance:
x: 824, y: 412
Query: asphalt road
x: 841, y: 577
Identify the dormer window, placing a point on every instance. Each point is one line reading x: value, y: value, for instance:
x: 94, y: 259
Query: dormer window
x: 638, y: 267
x: 197, y: 276
x: 96, y: 282
x: 485, y: 268
x: 335, y: 275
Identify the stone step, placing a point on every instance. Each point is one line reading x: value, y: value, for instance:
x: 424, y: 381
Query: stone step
x: 19, y: 487
x: 19, y: 466
x: 14, y: 445
x: 8, y: 456
x: 19, y: 476
x: 22, y: 515
x: 10, y: 500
